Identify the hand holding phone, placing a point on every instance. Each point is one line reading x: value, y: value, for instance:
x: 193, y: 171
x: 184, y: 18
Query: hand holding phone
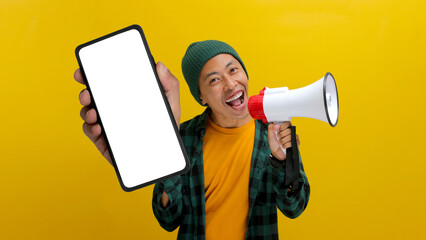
x: 89, y: 115
x: 138, y: 126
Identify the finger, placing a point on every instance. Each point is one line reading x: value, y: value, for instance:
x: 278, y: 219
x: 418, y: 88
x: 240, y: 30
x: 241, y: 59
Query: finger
x: 285, y: 140
x: 85, y: 97
x: 92, y: 131
x: 167, y: 79
x: 79, y: 95
x: 101, y: 146
x: 107, y: 156
x: 272, y: 138
x: 285, y: 133
x: 78, y: 76
x: 285, y: 125
x: 287, y: 145
x: 272, y: 128
x: 83, y: 112
x: 276, y: 127
x: 91, y: 116
x: 171, y: 88
x: 163, y: 72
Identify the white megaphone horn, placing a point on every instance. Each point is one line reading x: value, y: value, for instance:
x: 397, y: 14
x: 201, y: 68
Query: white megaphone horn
x: 318, y: 100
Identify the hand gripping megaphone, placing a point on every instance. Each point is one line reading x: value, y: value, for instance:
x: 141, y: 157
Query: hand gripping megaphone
x: 318, y: 100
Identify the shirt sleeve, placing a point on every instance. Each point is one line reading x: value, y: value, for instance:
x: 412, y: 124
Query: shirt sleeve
x: 291, y: 202
x: 169, y: 217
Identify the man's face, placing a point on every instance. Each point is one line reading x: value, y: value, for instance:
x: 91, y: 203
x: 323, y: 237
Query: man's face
x: 224, y: 87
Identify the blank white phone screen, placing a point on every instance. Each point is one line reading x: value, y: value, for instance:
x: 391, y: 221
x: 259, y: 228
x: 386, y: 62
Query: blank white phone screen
x: 132, y: 110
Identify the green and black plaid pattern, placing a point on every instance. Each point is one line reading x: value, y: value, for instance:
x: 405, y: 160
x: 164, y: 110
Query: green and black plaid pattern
x: 186, y: 208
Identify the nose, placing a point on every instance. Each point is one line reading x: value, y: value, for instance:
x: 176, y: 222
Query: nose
x: 230, y: 83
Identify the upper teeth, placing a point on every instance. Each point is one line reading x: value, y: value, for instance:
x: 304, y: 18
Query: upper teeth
x: 235, y: 97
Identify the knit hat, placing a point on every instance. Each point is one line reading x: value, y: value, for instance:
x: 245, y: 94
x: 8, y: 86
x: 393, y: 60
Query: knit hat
x: 197, y: 54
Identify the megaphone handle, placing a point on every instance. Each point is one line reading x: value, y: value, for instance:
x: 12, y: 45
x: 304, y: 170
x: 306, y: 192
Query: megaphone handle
x: 292, y: 160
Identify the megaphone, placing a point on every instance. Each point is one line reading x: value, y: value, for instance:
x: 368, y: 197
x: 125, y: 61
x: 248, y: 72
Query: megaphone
x: 318, y: 100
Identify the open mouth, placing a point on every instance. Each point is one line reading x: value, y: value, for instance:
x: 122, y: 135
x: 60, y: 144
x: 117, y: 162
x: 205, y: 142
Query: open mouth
x: 236, y: 100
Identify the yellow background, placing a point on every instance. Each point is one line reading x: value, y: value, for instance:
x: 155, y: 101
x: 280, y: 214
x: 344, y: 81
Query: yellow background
x: 367, y: 175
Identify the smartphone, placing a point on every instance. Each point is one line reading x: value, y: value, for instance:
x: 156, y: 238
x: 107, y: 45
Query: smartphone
x: 136, y: 120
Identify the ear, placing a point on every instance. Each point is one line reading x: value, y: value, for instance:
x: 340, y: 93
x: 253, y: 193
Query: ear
x: 202, y: 100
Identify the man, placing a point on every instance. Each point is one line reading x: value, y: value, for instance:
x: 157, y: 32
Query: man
x: 232, y: 190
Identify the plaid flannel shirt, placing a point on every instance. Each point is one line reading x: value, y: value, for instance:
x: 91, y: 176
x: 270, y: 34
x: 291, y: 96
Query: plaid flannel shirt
x: 267, y: 191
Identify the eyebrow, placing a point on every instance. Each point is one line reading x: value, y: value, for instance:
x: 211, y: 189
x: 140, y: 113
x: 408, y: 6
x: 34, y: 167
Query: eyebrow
x: 209, y: 74
x: 213, y: 73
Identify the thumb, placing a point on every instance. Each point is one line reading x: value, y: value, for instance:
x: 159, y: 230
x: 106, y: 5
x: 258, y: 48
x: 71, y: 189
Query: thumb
x: 166, y: 77
x: 171, y: 89
x: 274, y: 144
x: 272, y: 128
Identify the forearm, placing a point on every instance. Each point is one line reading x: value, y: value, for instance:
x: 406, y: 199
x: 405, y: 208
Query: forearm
x: 167, y: 203
x: 291, y: 202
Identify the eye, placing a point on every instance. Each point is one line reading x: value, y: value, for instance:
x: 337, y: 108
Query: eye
x: 234, y: 69
x: 213, y: 80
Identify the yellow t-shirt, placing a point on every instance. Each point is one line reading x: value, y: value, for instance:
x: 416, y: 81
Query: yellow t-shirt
x: 227, y: 156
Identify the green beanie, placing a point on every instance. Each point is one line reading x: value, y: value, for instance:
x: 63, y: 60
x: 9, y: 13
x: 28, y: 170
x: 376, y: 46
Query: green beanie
x: 197, y: 54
